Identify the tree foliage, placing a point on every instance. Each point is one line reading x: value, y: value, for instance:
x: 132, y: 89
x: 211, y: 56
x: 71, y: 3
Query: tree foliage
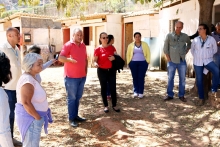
x: 2, y: 9
x: 29, y: 2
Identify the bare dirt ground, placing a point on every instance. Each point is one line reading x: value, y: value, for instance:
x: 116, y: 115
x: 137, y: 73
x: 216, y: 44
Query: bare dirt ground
x: 147, y: 122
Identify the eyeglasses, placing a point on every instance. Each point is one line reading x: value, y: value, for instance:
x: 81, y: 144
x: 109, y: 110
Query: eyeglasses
x: 104, y: 37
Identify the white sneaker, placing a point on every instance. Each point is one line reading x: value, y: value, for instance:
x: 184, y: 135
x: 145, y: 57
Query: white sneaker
x: 140, y: 96
x: 135, y: 95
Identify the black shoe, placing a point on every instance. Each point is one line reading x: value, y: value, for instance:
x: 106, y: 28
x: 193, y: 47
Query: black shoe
x: 116, y: 110
x: 183, y: 99
x: 73, y: 123
x: 16, y: 143
x: 80, y: 119
x: 167, y: 98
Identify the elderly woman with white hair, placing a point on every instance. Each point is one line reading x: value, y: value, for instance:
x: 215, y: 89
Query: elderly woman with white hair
x: 32, y: 111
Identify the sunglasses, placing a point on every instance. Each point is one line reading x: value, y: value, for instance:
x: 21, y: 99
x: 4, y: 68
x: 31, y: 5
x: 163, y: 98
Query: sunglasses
x: 104, y: 37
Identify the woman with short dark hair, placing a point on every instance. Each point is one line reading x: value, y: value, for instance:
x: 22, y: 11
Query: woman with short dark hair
x: 138, y: 59
x: 203, y: 48
x: 5, y: 77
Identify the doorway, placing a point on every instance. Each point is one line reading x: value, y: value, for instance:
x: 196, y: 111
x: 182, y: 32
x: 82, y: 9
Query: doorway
x: 128, y: 35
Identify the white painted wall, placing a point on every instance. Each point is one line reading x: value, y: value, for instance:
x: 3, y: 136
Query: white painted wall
x: 188, y: 13
x: 147, y: 25
x: 3, y: 36
x: 114, y: 27
x: 41, y: 37
x: 16, y: 22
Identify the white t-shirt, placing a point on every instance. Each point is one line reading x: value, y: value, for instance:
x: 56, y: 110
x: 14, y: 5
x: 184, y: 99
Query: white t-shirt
x: 39, y: 99
x: 15, y: 62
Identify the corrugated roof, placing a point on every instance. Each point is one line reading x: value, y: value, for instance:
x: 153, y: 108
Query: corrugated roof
x: 138, y: 13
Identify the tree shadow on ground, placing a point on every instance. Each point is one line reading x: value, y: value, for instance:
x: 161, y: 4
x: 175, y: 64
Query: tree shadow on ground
x: 142, y: 122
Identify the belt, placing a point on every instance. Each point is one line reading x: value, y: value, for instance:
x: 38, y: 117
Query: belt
x: 107, y: 69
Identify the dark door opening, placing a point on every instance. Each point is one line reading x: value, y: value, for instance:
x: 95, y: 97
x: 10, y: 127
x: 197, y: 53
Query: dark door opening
x: 86, y: 35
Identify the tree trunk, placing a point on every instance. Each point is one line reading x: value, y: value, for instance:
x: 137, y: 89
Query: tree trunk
x: 205, y: 16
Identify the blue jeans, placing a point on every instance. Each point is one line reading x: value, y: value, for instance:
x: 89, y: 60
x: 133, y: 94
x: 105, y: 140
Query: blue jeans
x: 171, y: 70
x: 32, y: 136
x: 74, y: 89
x: 12, y: 100
x: 217, y: 62
x: 199, y: 77
x: 138, y: 72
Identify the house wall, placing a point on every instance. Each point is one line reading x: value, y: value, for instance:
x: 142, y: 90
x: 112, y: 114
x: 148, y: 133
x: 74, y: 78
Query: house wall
x: 96, y: 29
x: 188, y: 13
x: 16, y: 22
x: 180, y: 12
x: 147, y: 25
x: 114, y: 27
x: 190, y: 21
x: 44, y: 37
x: 3, y: 28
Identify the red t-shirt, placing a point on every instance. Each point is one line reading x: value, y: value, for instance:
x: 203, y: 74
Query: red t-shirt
x: 103, y: 54
x: 74, y: 70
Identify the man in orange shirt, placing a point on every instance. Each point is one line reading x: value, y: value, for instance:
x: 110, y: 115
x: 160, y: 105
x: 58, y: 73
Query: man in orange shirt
x: 74, y: 57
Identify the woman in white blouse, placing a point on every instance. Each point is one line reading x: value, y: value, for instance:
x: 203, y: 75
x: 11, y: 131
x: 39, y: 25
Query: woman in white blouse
x: 31, y: 111
x: 5, y: 77
x: 203, y: 48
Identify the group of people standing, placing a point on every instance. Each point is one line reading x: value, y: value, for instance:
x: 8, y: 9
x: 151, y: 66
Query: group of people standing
x: 205, y: 49
x: 22, y: 98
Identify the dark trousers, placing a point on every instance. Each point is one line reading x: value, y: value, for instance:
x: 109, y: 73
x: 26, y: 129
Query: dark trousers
x: 12, y: 100
x: 107, y: 76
